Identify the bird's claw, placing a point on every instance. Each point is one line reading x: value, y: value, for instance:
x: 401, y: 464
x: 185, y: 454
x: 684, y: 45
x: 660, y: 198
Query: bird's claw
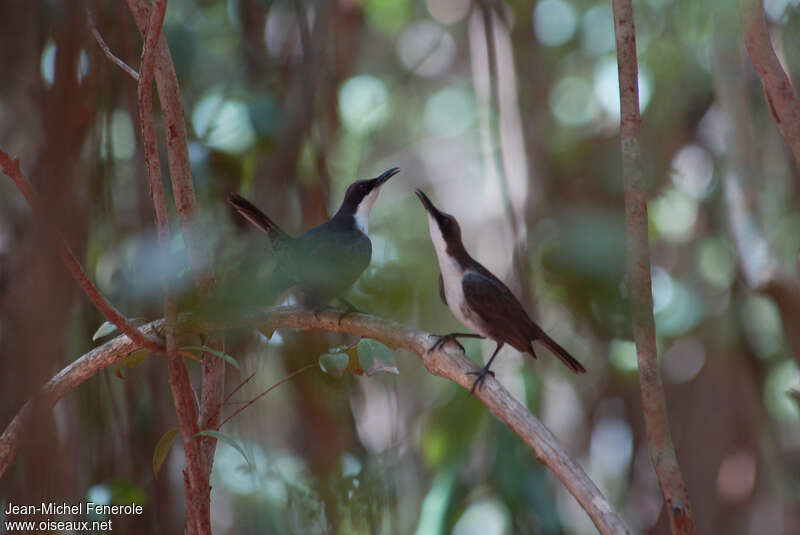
x: 443, y: 339
x: 348, y: 309
x: 482, y: 373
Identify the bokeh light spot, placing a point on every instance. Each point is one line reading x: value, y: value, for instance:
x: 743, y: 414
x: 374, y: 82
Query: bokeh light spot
x: 597, y: 30
x: 673, y: 214
x: 426, y: 49
x: 488, y: 517
x: 737, y: 476
x: 663, y: 289
x: 606, y: 86
x: 717, y: 263
x: 47, y: 65
x: 123, y: 139
x: 693, y: 171
x: 622, y: 354
x: 684, y: 360
x: 450, y: 112
x: 611, y: 446
x: 554, y: 22
x: 83, y: 65
x: 225, y: 124
x: 762, y: 324
x: 448, y: 11
x: 363, y: 103
x: 571, y: 101
x: 387, y: 16
x: 779, y: 382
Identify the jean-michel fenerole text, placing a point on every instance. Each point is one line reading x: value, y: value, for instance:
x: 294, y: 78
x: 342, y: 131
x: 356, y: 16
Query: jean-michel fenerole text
x: 53, y: 508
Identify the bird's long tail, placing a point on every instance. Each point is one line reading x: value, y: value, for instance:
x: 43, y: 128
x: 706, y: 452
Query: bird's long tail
x: 250, y: 212
x: 561, y: 353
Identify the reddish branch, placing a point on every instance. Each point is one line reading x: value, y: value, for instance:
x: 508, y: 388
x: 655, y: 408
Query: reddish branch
x: 198, y: 515
x: 781, y: 97
x: 448, y: 362
x: 213, y: 382
x: 11, y: 168
x: 662, y: 451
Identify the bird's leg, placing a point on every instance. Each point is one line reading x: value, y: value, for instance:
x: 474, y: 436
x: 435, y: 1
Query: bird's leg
x: 485, y: 370
x: 444, y: 338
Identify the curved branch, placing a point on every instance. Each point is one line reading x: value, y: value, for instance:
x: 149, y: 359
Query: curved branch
x: 449, y: 362
x: 781, y: 97
x: 10, y: 167
x: 654, y: 405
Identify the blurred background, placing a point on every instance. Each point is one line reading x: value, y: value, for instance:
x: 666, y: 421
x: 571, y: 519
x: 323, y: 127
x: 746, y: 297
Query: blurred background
x: 506, y: 113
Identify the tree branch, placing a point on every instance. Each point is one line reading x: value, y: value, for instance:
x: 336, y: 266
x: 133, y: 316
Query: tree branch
x: 449, y: 362
x: 198, y: 514
x: 662, y: 451
x: 781, y: 98
x: 213, y: 382
x: 11, y: 168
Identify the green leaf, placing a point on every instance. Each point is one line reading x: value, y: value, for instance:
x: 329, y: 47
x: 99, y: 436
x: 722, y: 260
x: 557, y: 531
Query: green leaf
x: 136, y: 358
x: 104, y: 330
x: 162, y: 449
x: 334, y: 363
x: 344, y: 348
x: 227, y: 439
x: 376, y: 357
x: 224, y: 356
x: 107, y: 328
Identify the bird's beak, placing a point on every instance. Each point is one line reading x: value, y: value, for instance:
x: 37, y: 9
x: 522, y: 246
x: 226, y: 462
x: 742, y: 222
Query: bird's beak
x: 385, y: 176
x: 426, y: 202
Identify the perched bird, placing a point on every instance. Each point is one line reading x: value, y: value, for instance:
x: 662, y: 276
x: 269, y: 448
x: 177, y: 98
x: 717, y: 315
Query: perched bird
x: 479, y: 299
x: 323, y: 262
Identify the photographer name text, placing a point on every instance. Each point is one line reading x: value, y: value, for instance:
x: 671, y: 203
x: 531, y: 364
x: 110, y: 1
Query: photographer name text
x: 54, y: 508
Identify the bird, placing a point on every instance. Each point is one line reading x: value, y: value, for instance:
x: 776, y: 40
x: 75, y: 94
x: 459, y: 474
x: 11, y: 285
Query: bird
x: 324, y: 261
x: 481, y: 301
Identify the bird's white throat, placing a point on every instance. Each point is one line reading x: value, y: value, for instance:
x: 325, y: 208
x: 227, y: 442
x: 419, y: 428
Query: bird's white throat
x: 363, y: 210
x: 452, y: 279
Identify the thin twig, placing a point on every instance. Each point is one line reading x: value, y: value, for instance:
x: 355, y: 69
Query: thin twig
x: 229, y: 396
x: 11, y: 168
x: 267, y: 391
x: 106, y: 50
x: 654, y: 406
x: 448, y: 362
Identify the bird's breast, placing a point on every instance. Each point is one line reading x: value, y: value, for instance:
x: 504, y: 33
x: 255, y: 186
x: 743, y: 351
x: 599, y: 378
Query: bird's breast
x: 454, y: 292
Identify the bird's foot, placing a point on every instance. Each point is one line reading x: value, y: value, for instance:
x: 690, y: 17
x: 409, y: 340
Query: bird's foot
x: 443, y: 339
x: 481, y: 377
x: 324, y: 308
x: 349, y: 308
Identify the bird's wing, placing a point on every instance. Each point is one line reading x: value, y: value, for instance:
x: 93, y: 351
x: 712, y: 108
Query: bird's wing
x: 327, y: 257
x: 441, y: 290
x: 504, y: 317
x: 499, y: 309
x: 258, y: 218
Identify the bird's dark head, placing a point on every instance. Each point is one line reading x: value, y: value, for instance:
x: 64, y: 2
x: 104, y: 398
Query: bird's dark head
x: 361, y: 195
x: 443, y: 227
